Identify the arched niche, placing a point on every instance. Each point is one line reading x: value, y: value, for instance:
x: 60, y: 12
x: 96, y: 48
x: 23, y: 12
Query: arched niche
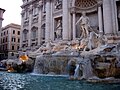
x: 84, y: 5
x: 91, y: 9
x: 34, y: 32
x: 25, y: 34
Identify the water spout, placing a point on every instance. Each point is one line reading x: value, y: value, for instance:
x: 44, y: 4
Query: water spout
x: 76, y: 74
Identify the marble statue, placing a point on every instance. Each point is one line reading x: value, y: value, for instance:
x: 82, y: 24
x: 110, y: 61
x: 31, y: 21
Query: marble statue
x: 58, y: 31
x: 84, y: 24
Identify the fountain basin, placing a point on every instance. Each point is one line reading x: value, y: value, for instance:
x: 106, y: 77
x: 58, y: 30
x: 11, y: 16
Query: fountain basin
x: 105, y: 80
x: 15, y: 81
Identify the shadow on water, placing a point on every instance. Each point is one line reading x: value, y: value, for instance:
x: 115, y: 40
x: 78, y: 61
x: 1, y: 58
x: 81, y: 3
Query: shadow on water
x: 15, y: 81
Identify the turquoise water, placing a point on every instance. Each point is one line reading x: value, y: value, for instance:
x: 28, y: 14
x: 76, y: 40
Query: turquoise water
x: 13, y: 81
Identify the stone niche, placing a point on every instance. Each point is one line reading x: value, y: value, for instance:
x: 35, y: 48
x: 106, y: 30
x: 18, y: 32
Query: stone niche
x: 93, y: 18
x: 90, y: 7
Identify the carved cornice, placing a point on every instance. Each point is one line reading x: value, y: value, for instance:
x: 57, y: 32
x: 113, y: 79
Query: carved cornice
x: 29, y: 3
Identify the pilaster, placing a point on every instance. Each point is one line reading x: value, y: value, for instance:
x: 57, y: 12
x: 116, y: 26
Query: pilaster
x: 65, y: 20
x: 100, y: 17
x: 30, y: 22
x: 39, y: 25
x: 48, y: 21
x: 107, y: 14
x: 74, y: 26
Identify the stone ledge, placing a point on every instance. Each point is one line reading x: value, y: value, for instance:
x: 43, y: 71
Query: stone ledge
x: 104, y: 80
x: 113, y: 39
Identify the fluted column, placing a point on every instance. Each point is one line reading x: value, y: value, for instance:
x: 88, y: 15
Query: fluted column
x: 114, y: 16
x: 30, y: 22
x: 74, y: 26
x: 107, y: 14
x: 48, y: 15
x: 65, y: 20
x: 100, y: 20
x: 21, y: 33
x: 39, y: 25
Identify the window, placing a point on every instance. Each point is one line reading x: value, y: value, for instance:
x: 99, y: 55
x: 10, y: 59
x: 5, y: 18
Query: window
x: 35, y: 11
x: 6, y: 46
x: 26, y: 15
x: 13, y: 31
x: 12, y: 54
x: 6, y: 39
x: 13, y: 39
x: 33, y: 34
x: 3, y: 48
x: 17, y: 47
x: 12, y: 47
x: 25, y: 32
x: 4, y: 33
x: 18, y: 40
x: 3, y: 40
x: 18, y: 32
x: 25, y: 36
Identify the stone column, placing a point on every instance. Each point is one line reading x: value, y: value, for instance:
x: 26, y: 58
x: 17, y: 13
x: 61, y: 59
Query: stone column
x: 30, y: 22
x: 48, y: 18
x: 65, y: 20
x: 39, y: 25
x: 74, y: 26
x: 21, y: 32
x: 107, y: 13
x: 100, y: 21
x: 114, y: 16
x: 52, y: 21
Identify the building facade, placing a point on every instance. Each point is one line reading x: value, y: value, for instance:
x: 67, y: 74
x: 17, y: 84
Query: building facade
x: 55, y: 20
x: 1, y: 17
x: 10, y: 41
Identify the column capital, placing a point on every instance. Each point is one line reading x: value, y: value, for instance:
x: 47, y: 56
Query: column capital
x: 40, y: 4
x: 99, y: 2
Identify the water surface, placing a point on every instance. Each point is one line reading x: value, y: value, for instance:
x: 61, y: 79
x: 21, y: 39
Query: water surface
x: 15, y: 81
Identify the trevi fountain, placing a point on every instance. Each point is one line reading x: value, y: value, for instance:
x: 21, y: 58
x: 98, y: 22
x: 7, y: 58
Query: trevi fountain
x: 84, y: 54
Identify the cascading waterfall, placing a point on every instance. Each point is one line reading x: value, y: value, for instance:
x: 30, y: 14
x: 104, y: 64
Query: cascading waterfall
x: 83, y: 69
x: 76, y: 74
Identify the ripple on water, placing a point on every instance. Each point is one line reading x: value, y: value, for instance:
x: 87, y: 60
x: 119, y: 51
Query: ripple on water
x: 14, y: 81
